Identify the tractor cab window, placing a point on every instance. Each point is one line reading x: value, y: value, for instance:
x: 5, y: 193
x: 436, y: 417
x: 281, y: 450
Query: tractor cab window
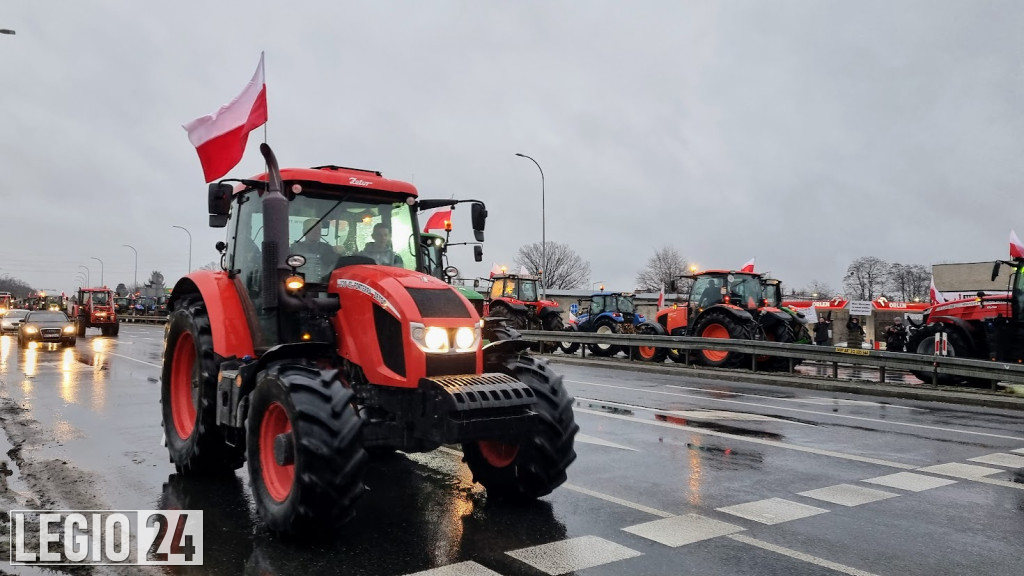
x: 510, y: 288
x: 771, y: 294
x: 597, y: 305
x: 624, y: 304
x: 528, y: 290
x: 706, y: 291
x: 744, y: 291
x: 433, y: 250
x: 100, y: 298
x: 497, y: 289
x: 1018, y: 297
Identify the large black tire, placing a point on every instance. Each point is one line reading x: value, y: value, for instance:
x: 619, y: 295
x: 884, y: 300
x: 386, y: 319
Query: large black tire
x: 676, y: 355
x: 80, y: 328
x: 650, y: 353
x: 570, y: 347
x: 605, y: 326
x: 719, y: 324
x: 115, y: 329
x: 780, y: 332
x: 188, y: 395
x: 309, y: 416
x: 923, y: 342
x: 536, y: 465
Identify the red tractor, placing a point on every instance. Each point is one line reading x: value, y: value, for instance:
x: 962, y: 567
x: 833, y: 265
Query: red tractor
x: 517, y: 298
x: 304, y: 355
x: 983, y: 327
x: 96, y: 309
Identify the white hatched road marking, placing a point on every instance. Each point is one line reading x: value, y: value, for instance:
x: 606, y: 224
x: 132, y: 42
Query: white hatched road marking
x: 1018, y: 451
x: 815, y: 412
x: 681, y: 530
x: 848, y: 494
x: 600, y: 442
x: 761, y: 441
x: 798, y: 555
x: 998, y: 459
x: 958, y: 470
x: 910, y: 481
x: 573, y: 554
x: 772, y: 511
x: 469, y: 568
x: 616, y: 500
x: 135, y: 360
x: 729, y: 415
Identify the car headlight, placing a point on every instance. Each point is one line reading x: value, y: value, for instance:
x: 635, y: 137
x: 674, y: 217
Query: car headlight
x: 30, y: 329
x: 69, y: 329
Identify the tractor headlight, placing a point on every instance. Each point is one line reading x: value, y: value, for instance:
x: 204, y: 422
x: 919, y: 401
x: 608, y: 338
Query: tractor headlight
x: 294, y: 283
x: 430, y: 338
x: 465, y: 338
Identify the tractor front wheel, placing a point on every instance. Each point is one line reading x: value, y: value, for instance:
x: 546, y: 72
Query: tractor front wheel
x: 650, y: 353
x: 604, y: 327
x: 718, y: 324
x: 569, y: 347
x: 780, y: 332
x: 528, y: 468
x: 923, y: 342
x: 188, y: 395
x: 306, y: 461
x: 80, y: 328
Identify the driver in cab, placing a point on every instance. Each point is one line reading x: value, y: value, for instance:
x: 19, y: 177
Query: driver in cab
x: 380, y: 249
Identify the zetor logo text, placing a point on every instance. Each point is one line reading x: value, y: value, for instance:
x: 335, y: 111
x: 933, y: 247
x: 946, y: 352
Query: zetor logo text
x: 101, y: 537
x: 357, y: 182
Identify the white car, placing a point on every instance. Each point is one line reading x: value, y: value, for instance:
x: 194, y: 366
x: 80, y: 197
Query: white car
x: 10, y: 321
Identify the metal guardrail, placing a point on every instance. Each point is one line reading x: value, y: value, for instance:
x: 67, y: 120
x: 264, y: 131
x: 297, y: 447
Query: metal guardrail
x: 936, y: 365
x: 127, y: 319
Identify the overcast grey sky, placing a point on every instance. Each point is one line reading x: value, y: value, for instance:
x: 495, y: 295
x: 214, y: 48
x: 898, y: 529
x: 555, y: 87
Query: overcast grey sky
x: 802, y: 133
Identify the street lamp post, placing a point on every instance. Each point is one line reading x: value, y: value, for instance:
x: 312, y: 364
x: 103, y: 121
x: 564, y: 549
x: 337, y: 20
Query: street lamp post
x: 101, y: 269
x: 189, y: 246
x: 543, y: 229
x: 88, y: 282
x: 136, y: 283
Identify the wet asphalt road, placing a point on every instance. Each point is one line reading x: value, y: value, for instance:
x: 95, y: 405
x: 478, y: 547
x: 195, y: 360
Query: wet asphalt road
x: 674, y: 475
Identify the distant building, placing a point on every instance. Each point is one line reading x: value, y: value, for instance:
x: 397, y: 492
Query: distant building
x: 965, y: 280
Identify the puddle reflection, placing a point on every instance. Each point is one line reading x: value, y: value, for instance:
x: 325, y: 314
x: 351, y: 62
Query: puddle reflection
x: 718, y: 427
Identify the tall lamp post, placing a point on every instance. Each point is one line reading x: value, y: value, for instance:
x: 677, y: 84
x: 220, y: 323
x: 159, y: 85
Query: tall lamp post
x: 101, y: 269
x: 543, y: 230
x: 136, y: 283
x: 88, y: 282
x: 189, y: 246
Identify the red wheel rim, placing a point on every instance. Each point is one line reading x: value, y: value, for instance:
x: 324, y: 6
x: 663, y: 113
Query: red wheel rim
x: 277, y: 478
x: 715, y: 331
x: 498, y: 454
x: 183, y: 407
x: 646, y: 352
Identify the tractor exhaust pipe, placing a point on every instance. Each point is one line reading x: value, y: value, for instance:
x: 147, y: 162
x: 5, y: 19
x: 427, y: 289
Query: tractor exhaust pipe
x: 275, y: 229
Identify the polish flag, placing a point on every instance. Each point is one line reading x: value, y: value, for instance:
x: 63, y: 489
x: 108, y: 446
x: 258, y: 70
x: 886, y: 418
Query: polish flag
x: 440, y: 220
x: 661, y: 298
x: 1016, y: 247
x: 220, y: 137
x: 934, y: 294
x: 523, y: 271
x: 495, y: 270
x: 748, y: 267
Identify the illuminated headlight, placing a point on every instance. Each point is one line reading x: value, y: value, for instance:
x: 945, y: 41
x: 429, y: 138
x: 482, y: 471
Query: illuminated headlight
x: 31, y: 329
x: 101, y: 314
x: 465, y: 338
x: 294, y: 283
x: 430, y: 338
x: 69, y: 329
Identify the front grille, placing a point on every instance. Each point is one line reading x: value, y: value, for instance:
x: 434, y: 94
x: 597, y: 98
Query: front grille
x: 435, y: 303
x: 451, y: 364
x: 389, y: 338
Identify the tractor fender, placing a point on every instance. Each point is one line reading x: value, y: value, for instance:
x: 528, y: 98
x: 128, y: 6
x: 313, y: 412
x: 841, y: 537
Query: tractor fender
x: 657, y: 328
x: 517, y: 307
x: 964, y: 326
x: 548, y: 311
x: 772, y: 317
x: 224, y: 307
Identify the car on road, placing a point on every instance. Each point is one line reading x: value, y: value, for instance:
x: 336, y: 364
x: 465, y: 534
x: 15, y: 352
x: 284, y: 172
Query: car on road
x: 46, y: 326
x: 10, y: 321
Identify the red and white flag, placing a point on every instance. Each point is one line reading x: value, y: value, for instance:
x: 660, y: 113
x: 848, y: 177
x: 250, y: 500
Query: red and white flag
x: 661, y: 298
x: 1016, y: 247
x: 748, y: 267
x: 934, y: 294
x: 220, y: 137
x: 495, y: 270
x: 440, y: 220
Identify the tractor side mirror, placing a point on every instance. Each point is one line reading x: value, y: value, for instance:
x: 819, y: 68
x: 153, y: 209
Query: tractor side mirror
x: 478, y: 253
x: 479, y: 216
x: 995, y: 270
x: 220, y: 198
x: 218, y: 220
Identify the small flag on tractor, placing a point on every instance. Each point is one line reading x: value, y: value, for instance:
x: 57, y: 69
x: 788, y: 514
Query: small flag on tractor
x: 440, y: 220
x: 661, y: 298
x: 934, y: 294
x: 495, y: 270
x: 1016, y: 247
x: 748, y: 267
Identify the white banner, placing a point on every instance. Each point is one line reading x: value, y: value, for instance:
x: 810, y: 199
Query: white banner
x: 860, y: 308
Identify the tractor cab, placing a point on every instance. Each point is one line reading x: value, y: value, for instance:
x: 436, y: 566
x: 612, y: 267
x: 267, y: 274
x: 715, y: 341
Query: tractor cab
x: 517, y: 297
x: 514, y: 287
x: 619, y: 306
x: 434, y: 254
x: 1005, y: 332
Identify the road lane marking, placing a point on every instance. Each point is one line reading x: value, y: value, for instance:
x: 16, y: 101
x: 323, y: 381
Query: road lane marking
x: 468, y: 568
x: 773, y: 443
x: 772, y: 510
x: 619, y: 501
x: 730, y: 415
x: 848, y: 494
x: 997, y: 459
x: 815, y: 412
x: 958, y: 470
x: 681, y: 530
x: 135, y: 360
x: 600, y: 442
x: 573, y: 554
x: 799, y: 555
x: 1018, y: 451
x: 910, y: 481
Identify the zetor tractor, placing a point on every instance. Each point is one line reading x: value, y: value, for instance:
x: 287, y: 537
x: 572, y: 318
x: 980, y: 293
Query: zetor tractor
x: 516, y: 297
x: 302, y: 356
x: 608, y: 313
x: 96, y: 309
x: 983, y: 327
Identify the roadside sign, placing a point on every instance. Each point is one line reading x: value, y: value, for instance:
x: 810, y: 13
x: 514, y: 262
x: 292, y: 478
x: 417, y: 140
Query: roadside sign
x: 574, y: 308
x: 860, y: 308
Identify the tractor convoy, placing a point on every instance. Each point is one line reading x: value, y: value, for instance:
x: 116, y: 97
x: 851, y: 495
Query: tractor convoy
x: 604, y: 313
x: 305, y: 356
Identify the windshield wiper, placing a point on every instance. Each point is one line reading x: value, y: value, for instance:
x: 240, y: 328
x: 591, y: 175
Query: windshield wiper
x: 326, y: 214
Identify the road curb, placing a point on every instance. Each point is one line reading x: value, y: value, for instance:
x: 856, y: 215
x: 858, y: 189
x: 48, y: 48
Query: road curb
x: 981, y: 398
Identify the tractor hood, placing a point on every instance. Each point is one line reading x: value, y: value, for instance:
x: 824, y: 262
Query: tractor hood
x: 405, y: 294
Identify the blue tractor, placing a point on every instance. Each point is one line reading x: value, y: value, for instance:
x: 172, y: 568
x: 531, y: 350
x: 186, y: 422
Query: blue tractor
x: 605, y: 313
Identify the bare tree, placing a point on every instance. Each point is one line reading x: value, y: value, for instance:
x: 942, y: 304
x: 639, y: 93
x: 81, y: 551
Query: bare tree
x: 820, y: 290
x: 17, y: 288
x: 865, y: 278
x: 565, y: 268
x: 907, y: 281
x: 664, y: 266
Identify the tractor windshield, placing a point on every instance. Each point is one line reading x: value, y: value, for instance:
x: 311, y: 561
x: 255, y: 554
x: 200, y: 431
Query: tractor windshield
x: 1018, y: 295
x: 527, y: 290
x: 771, y: 294
x: 624, y: 304
x: 100, y: 298
x: 744, y: 290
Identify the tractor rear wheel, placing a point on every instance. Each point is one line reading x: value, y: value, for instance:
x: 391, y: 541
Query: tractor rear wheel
x: 115, y: 329
x: 780, y: 332
x: 306, y: 461
x: 569, y: 347
x: 604, y: 327
x: 923, y: 342
x: 530, y: 467
x: 718, y: 324
x: 188, y: 394
x: 80, y: 328
x: 650, y: 353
